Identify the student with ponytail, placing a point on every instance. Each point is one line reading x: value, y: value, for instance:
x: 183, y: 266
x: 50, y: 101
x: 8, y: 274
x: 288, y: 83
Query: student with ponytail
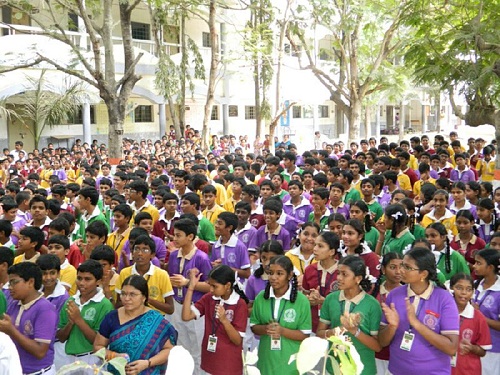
x: 359, y: 210
x: 440, y: 214
x: 487, y: 300
x: 473, y: 192
x: 416, y: 229
x: 281, y: 316
x: 420, y: 323
x: 320, y: 278
x: 487, y: 219
x: 460, y: 201
x: 354, y: 310
x: 389, y: 279
x: 394, y: 233
x: 336, y: 223
x: 448, y: 261
x: 354, y: 244
x: 225, y: 310
x: 466, y: 242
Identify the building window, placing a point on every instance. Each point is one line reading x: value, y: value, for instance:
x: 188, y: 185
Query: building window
x: 233, y: 111
x: 143, y: 113
x: 308, y: 111
x: 77, y: 118
x: 249, y: 112
x: 323, y: 111
x: 297, y: 111
x: 206, y: 39
x: 215, y: 112
x: 72, y: 22
x: 140, y: 31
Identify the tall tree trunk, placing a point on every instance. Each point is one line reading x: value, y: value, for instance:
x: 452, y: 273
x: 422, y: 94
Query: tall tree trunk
x: 368, y: 122
x: 354, y: 121
x: 214, y: 62
x: 438, y: 112
x: 115, y: 134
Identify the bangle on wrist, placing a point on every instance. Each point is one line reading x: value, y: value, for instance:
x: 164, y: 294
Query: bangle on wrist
x: 358, y: 331
x: 149, y: 363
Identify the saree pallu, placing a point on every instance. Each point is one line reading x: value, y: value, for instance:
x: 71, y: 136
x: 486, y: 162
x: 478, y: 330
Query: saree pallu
x: 143, y: 338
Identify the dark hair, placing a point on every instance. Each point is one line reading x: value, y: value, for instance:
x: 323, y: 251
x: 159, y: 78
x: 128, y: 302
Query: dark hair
x: 491, y: 256
x: 331, y: 239
x: 187, y: 226
x: 229, y: 219
x: 358, y: 267
x: 489, y: 205
x: 193, y: 199
x: 60, y: 224
x: 399, y: 218
x: 68, y: 216
x: 488, y: 186
x: 91, y: 266
x: 103, y: 252
x: 59, y: 240
x: 90, y: 192
x: 6, y: 256
x: 35, y: 234
x: 140, y: 186
x: 39, y: 199
x: 98, y: 228
x: 26, y: 271
x: 358, y: 227
x: 441, y: 229
x: 145, y: 240
x: 252, y: 190
x: 426, y: 261
x: 124, y: 209
x: 48, y: 262
x: 136, y: 232
x: 243, y: 206
x: 140, y: 283
x: 6, y: 227
x: 142, y: 216
x: 287, y: 265
x: 270, y: 246
x: 274, y: 205
x: 386, y: 259
x: 337, y: 217
x: 224, y: 274
x: 461, y: 276
x: 364, y: 207
x: 467, y: 215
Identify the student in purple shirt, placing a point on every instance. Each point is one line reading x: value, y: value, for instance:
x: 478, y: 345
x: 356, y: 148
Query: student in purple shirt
x: 32, y: 322
x: 228, y: 249
x: 461, y: 173
x: 272, y: 230
x: 297, y: 206
x: 420, y: 323
x: 52, y: 288
x: 180, y: 264
x: 487, y: 300
x: 245, y: 231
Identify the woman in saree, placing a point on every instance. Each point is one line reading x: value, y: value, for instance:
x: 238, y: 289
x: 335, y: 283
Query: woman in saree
x: 137, y: 332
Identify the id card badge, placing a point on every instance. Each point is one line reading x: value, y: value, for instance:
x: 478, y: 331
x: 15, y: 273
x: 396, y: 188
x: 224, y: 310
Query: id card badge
x: 454, y: 361
x: 212, y: 343
x: 276, y: 343
x: 179, y: 292
x: 407, y: 341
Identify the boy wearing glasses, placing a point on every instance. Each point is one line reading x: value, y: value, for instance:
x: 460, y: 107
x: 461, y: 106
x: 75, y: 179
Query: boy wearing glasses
x: 32, y: 322
x: 160, y: 288
x: 82, y: 314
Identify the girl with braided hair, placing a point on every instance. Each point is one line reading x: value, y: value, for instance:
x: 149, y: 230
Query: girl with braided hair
x: 394, y: 232
x: 281, y: 316
x: 415, y: 228
x: 351, y: 308
x: 448, y: 261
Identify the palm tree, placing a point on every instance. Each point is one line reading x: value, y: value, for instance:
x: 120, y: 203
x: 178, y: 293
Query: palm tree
x: 45, y: 104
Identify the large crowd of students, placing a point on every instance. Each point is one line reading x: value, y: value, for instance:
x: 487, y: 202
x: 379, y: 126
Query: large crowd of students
x: 394, y: 245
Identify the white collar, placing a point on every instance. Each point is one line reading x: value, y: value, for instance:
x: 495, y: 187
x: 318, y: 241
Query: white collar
x: 258, y: 210
x: 65, y: 264
x: 303, y: 202
x: 468, y: 311
x: 58, y: 291
x: 494, y: 288
x: 447, y: 215
x: 233, y: 241
x: 232, y: 300
x: 467, y: 206
x: 47, y: 222
x: 98, y: 297
x: 150, y: 272
x: 145, y: 205
x: 245, y: 228
x: 284, y: 296
x: 163, y: 216
x: 94, y: 213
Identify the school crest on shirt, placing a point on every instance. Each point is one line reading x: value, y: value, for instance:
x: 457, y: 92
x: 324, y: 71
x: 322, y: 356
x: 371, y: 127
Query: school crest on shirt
x: 28, y: 328
x: 89, y: 314
x: 467, y: 334
x: 289, y: 315
x: 231, y: 258
x: 245, y: 238
x: 488, y: 302
x: 430, y: 321
x: 230, y: 315
x: 302, y: 214
x: 154, y: 292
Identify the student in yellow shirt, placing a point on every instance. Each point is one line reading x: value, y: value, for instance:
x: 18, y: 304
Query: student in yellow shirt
x: 212, y: 210
x: 59, y: 246
x: 238, y: 184
x: 403, y: 180
x: 122, y: 214
x: 105, y: 255
x: 425, y: 178
x: 138, y: 195
x: 486, y: 167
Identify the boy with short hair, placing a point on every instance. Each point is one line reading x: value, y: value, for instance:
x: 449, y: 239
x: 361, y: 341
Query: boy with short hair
x: 160, y: 287
x: 52, y: 288
x: 5, y: 232
x: 87, y: 199
x: 190, y: 203
x: 228, y: 249
x: 144, y: 220
x: 351, y: 195
x: 32, y: 322
x: 245, y: 231
x: 298, y: 206
x: 212, y: 210
x: 272, y: 230
x: 59, y: 246
x: 138, y: 195
x: 180, y: 265
x: 164, y: 227
x: 320, y: 213
x: 122, y: 214
x: 105, y: 255
x: 336, y: 204
x: 250, y: 194
x: 462, y: 172
x: 81, y: 315
x: 38, y: 209
x: 30, y: 241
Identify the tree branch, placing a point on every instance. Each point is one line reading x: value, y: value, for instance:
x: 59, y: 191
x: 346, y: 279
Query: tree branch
x: 454, y: 106
x: 130, y: 71
x: 28, y: 65
x: 69, y: 71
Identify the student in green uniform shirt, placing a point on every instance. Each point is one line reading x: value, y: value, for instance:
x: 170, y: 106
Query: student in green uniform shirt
x: 320, y: 213
x: 448, y: 261
x: 190, y: 204
x: 88, y: 198
x: 416, y: 229
x: 359, y: 210
x: 351, y: 194
x: 367, y: 189
x: 281, y: 316
x: 353, y: 301
x: 83, y: 313
x: 394, y: 233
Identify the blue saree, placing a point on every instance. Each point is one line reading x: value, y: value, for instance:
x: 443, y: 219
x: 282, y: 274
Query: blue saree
x: 143, y: 338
